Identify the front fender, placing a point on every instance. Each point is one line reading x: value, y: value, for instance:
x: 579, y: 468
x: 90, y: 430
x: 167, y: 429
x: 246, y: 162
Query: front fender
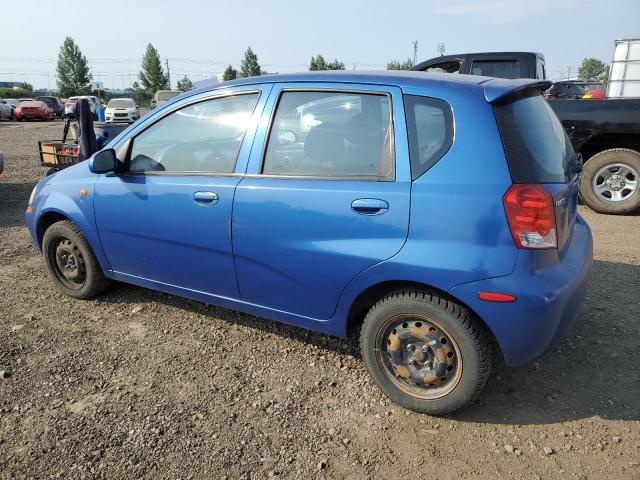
x: 78, y: 208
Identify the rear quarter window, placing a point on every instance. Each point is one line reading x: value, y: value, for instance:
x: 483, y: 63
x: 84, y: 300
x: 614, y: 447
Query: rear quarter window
x: 430, y: 131
x: 496, y: 68
x: 538, y: 149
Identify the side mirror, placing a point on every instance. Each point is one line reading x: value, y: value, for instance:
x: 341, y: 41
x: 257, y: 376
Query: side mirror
x: 104, y: 161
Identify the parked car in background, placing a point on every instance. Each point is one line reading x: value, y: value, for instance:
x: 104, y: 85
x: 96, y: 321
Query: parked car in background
x: 14, y: 102
x: 335, y: 186
x: 94, y: 104
x: 54, y: 104
x: 572, y: 89
x: 607, y: 135
x: 6, y: 110
x: 33, y: 109
x: 162, y: 96
x: 122, y: 110
x: 489, y: 64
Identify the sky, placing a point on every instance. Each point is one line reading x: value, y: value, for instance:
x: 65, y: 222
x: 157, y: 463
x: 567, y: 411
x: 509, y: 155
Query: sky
x: 200, y: 38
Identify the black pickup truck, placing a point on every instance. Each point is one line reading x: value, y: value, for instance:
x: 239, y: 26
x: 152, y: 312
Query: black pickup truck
x: 488, y: 64
x: 607, y: 134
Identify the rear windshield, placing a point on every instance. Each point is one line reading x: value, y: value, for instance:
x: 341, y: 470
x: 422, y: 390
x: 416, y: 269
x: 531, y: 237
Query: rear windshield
x: 537, y: 147
x: 120, y: 103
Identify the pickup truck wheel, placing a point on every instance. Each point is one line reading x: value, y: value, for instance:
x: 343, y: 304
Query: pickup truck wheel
x: 71, y: 262
x: 610, y: 181
x: 425, y: 352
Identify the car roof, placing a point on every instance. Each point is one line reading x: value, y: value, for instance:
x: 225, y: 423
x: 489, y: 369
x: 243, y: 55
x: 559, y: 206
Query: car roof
x: 494, y: 88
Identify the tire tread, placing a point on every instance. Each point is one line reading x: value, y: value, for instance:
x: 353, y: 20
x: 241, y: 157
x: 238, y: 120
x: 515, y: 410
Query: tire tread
x: 465, y: 318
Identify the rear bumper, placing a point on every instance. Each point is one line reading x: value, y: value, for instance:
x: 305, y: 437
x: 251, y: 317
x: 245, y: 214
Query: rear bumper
x: 549, y: 295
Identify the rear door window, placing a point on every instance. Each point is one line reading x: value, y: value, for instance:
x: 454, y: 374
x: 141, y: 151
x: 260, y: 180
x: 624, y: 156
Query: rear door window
x: 538, y: 149
x: 331, y: 134
x: 496, y: 68
x: 430, y: 131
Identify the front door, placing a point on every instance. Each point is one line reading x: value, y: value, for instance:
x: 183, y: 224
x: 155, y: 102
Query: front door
x: 167, y: 217
x: 326, y: 198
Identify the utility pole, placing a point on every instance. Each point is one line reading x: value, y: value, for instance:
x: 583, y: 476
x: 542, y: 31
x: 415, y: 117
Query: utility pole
x: 441, y: 49
x: 415, y: 52
x: 569, y: 73
x: 166, y: 62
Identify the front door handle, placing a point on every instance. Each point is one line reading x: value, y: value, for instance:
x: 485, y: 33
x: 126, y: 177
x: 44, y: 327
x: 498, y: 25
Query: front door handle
x: 206, y: 198
x: 370, y: 206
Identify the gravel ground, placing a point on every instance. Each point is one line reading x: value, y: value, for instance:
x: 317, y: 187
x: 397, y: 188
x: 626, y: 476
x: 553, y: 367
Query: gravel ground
x: 139, y: 384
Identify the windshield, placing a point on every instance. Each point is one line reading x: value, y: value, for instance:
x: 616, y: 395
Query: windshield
x: 120, y: 103
x: 538, y: 149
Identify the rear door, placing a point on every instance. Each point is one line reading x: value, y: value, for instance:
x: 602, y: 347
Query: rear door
x: 326, y: 195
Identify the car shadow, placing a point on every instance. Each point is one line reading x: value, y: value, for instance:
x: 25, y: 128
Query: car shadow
x: 593, y: 372
x: 13, y: 202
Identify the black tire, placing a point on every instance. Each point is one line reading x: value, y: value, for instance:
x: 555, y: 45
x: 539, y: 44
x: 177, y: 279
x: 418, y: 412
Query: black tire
x: 612, y: 157
x: 467, y: 341
x: 12, y: 116
x: 93, y: 281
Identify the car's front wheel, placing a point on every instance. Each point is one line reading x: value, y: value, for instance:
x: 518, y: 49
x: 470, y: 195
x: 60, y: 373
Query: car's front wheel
x: 71, y: 262
x: 425, y: 352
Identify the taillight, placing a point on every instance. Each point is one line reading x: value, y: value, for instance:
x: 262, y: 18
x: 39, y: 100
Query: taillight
x: 531, y: 216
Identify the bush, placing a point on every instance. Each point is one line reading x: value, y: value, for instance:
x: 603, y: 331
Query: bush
x: 12, y: 93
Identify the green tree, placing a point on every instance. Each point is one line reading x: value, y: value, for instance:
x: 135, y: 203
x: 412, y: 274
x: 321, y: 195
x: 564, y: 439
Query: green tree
x: 139, y: 94
x: 152, y: 75
x: 249, y: 66
x: 592, y: 69
x: 335, y: 65
x: 27, y: 86
x: 317, y: 63
x: 185, y: 84
x: 230, y: 74
x: 73, y: 70
x: 398, y: 65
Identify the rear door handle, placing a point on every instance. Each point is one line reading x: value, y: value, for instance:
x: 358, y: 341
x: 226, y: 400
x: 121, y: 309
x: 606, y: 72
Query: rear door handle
x: 206, y: 198
x: 369, y: 206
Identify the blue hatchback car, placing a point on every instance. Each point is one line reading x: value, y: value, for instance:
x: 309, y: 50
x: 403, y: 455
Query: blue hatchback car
x: 434, y: 213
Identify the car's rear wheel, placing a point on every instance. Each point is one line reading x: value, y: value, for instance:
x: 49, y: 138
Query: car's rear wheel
x: 425, y: 352
x: 71, y: 262
x: 610, y: 181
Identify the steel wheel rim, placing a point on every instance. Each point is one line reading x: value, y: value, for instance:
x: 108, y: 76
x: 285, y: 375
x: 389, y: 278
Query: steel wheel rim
x: 615, y: 183
x: 67, y: 263
x: 411, y: 352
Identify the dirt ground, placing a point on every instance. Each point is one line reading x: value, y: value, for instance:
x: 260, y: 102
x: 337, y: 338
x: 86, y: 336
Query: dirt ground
x: 139, y: 384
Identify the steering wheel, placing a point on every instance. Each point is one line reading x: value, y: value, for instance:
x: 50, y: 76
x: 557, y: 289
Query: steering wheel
x: 213, y: 160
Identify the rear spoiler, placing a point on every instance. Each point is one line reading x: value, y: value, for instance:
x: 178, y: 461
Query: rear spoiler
x: 498, y: 89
